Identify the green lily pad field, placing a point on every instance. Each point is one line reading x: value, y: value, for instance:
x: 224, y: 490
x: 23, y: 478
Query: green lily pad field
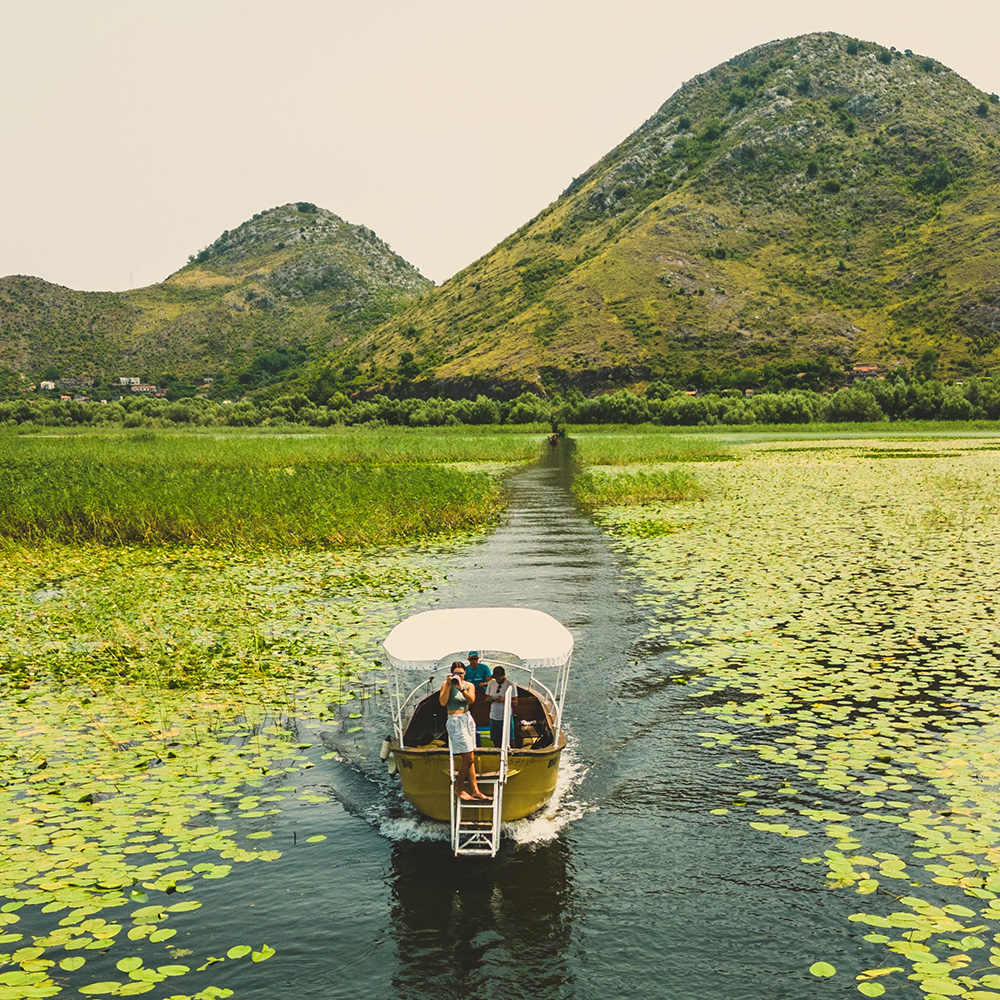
x: 156, y: 688
x: 831, y: 607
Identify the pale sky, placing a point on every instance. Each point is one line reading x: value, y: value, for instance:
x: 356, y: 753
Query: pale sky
x: 133, y: 132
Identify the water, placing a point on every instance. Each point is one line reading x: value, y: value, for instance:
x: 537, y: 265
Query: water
x: 627, y: 887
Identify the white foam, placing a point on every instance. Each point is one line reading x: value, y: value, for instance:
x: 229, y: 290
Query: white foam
x: 415, y: 827
x: 561, y: 810
x: 545, y: 825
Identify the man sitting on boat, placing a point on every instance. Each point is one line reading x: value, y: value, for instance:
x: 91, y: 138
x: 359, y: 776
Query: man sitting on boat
x: 457, y: 695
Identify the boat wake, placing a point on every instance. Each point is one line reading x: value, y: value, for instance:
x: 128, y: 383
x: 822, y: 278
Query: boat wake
x: 396, y: 820
x: 365, y: 788
x: 561, y: 810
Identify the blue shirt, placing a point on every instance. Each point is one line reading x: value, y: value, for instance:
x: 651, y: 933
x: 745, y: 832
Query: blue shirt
x: 478, y: 675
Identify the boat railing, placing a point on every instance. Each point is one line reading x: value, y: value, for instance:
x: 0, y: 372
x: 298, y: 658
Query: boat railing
x: 550, y: 703
x: 508, y: 711
x: 403, y: 702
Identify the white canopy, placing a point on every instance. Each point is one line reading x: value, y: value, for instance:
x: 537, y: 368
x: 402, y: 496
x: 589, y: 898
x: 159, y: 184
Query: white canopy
x: 424, y: 640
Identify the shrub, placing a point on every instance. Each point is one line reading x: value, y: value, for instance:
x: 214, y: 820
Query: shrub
x: 529, y: 409
x: 481, y: 410
x: 795, y: 407
x: 831, y: 186
x: 852, y: 48
x: 954, y: 406
x: 408, y: 367
x: 620, y: 407
x: 934, y: 177
x: 711, y: 131
x: 885, y: 57
x: 982, y: 110
x: 852, y: 406
x: 659, y: 389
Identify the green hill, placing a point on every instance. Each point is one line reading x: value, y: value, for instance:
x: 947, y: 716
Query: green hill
x: 811, y: 204
x: 292, y: 283
x: 810, y: 197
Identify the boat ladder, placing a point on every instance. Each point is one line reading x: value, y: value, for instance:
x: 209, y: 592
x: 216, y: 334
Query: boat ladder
x: 475, y: 824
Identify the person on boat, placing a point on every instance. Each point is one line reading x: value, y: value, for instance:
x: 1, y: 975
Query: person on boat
x: 476, y: 672
x: 496, y: 691
x: 457, y: 695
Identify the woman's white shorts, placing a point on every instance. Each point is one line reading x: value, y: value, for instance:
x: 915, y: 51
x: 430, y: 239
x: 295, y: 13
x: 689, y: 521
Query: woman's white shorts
x: 462, y: 731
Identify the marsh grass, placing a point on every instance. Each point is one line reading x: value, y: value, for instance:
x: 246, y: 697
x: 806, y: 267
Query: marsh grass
x: 335, y: 491
x: 619, y: 489
x: 632, y: 446
x: 712, y: 442
x: 294, y: 443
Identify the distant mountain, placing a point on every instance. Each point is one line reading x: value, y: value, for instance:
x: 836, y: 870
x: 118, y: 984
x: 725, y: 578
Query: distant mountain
x: 292, y: 283
x: 815, y: 196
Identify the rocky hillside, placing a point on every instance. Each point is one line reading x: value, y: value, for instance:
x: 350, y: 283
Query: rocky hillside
x: 815, y: 196
x: 291, y: 283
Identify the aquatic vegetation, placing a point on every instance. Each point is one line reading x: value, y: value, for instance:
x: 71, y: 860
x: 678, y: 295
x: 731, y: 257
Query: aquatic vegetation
x: 645, y: 444
x: 158, y: 696
x: 331, y: 492
x: 595, y: 489
x: 156, y: 706
x: 833, y: 611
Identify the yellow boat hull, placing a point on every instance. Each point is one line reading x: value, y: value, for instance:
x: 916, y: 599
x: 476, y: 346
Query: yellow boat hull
x: 531, y: 778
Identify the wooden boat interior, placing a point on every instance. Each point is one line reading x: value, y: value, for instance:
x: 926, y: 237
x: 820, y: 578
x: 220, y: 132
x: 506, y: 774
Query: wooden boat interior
x: 426, y: 730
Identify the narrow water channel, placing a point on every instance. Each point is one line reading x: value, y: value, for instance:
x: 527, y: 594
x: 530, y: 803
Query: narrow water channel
x: 629, y: 889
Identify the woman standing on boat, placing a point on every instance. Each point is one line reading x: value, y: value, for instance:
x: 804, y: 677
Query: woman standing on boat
x: 457, y: 695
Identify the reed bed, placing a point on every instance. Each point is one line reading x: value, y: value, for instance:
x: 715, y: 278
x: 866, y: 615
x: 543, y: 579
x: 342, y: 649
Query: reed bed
x: 635, y: 446
x: 336, y: 491
x: 619, y: 489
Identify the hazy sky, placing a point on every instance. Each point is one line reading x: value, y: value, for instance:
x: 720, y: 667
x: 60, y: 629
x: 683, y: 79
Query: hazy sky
x: 132, y: 132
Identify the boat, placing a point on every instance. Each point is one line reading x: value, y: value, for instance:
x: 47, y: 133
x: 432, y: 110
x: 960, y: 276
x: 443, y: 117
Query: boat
x: 535, y: 650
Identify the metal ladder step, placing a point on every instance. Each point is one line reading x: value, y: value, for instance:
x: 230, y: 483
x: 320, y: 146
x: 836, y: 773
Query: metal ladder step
x: 475, y: 824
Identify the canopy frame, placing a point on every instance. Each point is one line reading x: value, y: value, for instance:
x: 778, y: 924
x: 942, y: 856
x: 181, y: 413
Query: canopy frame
x: 522, y: 640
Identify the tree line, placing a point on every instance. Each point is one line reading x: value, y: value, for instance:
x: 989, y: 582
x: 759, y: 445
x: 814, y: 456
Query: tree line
x: 873, y: 400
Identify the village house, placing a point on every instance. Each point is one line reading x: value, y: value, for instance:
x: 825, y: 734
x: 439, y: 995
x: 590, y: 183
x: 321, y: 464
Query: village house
x: 147, y: 390
x: 75, y: 384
